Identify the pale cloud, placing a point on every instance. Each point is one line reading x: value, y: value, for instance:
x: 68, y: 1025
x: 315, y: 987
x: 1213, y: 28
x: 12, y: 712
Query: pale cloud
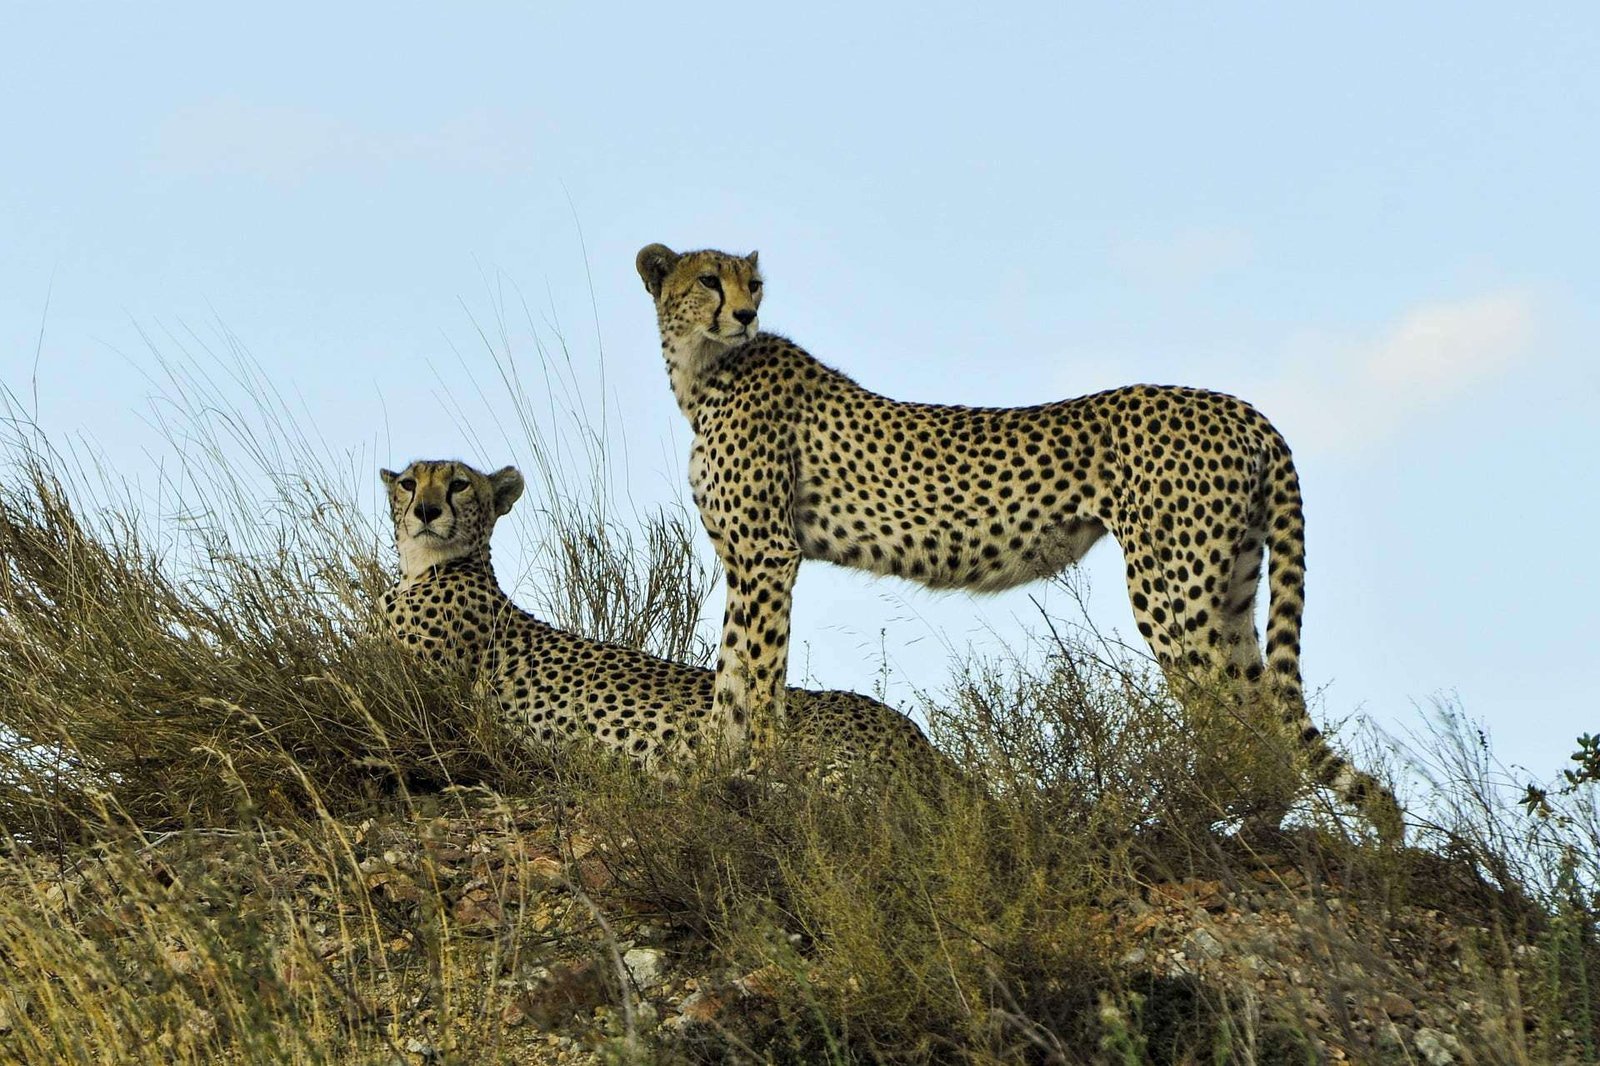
x: 1344, y: 394
x: 1453, y: 345
x: 1186, y: 257
x: 287, y: 144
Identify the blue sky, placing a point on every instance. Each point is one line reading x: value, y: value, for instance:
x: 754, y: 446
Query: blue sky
x: 1376, y: 221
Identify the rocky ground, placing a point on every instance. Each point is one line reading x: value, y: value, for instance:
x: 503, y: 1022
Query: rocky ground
x: 1372, y: 982
x: 504, y: 931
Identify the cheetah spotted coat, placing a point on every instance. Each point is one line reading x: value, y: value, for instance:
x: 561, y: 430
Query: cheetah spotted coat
x: 793, y: 460
x: 558, y: 687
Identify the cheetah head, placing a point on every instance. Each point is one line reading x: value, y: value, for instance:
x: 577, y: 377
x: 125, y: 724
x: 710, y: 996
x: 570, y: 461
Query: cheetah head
x: 445, y: 510
x: 702, y: 296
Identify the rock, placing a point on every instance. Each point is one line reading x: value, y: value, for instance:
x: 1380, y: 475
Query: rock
x: 546, y: 870
x: 571, y: 989
x: 1397, y: 1006
x: 594, y: 874
x: 1134, y: 957
x: 1206, y: 895
x: 200, y: 1026
x: 1200, y: 944
x: 762, y: 983
x: 644, y: 966
x: 478, y: 907
x: 1436, y: 1048
x: 179, y: 959
x: 697, y: 1008
x: 1288, y: 877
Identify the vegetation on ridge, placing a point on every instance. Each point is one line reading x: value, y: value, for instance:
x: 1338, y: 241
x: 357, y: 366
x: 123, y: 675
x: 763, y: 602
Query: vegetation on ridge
x: 241, y: 826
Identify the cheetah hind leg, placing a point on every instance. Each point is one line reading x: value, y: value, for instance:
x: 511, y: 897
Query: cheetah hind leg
x: 1302, y: 747
x: 1244, y: 674
x: 1285, y: 713
x: 1204, y: 638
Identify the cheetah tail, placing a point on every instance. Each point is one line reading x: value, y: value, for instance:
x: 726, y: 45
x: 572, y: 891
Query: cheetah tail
x: 1286, y: 570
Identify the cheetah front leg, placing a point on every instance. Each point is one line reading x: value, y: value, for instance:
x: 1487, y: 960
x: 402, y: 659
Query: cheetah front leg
x: 745, y: 507
x: 753, y: 661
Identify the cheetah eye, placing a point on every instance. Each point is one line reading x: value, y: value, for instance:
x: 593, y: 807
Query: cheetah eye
x: 755, y: 285
x: 457, y: 485
x: 409, y: 484
x: 712, y: 282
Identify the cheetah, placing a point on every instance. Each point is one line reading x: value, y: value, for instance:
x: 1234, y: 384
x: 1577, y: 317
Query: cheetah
x: 793, y: 460
x: 558, y: 687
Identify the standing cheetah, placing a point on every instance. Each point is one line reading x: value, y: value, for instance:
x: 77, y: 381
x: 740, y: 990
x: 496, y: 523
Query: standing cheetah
x: 793, y: 460
x: 557, y: 686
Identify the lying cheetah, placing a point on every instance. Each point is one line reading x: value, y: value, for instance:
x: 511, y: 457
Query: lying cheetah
x: 793, y: 460
x: 558, y: 686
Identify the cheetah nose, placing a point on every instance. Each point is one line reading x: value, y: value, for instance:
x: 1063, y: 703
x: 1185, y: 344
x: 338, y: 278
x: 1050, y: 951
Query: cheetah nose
x: 744, y: 317
x: 427, y: 512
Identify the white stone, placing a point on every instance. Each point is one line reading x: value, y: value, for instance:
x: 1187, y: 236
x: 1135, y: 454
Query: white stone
x: 1201, y: 944
x: 644, y: 966
x: 1436, y: 1048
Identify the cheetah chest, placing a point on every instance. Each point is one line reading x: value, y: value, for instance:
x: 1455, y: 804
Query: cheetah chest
x: 701, y: 479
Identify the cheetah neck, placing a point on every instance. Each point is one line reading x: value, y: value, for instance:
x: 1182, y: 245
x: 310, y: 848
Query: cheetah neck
x: 688, y: 358
x: 419, y: 566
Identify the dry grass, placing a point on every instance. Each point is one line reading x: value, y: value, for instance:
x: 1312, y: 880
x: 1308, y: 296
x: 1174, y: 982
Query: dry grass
x: 231, y: 833
x: 138, y: 696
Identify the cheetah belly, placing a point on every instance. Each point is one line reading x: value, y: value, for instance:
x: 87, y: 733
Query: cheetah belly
x: 1044, y: 554
x: 880, y: 529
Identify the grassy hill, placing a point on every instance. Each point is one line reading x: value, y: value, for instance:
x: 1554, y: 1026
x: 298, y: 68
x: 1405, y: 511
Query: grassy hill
x: 240, y: 826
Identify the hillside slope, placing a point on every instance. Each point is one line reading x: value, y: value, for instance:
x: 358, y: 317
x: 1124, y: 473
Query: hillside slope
x: 469, y: 927
x: 239, y: 825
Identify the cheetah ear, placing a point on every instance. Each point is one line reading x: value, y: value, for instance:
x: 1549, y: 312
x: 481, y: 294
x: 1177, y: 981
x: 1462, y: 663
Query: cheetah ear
x: 388, y: 476
x: 751, y: 259
x: 507, y: 484
x: 654, y: 263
